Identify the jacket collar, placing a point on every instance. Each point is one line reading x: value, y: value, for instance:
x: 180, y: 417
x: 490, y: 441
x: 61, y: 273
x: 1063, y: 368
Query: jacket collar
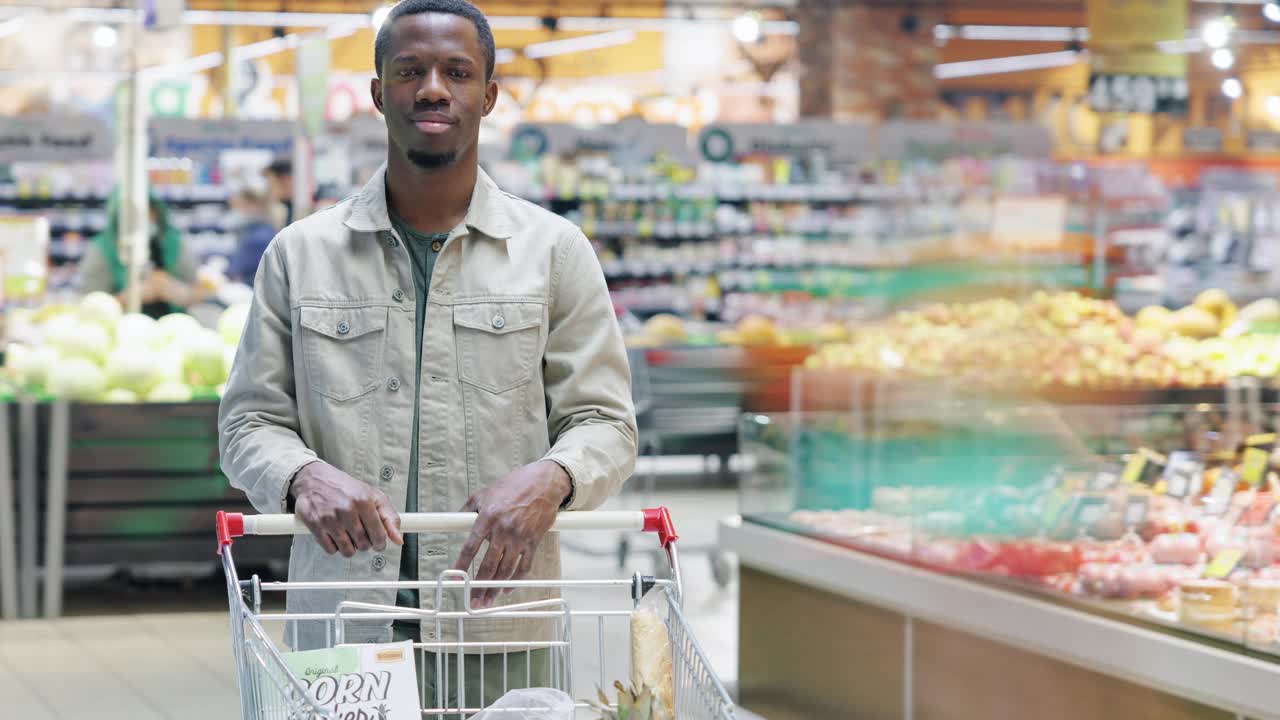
x: 486, y: 215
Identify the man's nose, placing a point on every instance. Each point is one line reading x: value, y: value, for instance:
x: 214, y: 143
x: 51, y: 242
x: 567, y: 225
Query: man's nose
x: 433, y: 89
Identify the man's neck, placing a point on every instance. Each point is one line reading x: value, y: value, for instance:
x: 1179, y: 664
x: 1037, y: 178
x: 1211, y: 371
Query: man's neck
x: 430, y: 200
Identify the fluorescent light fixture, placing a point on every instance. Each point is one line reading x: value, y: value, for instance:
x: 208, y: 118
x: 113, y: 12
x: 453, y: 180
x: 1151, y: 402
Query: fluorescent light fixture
x: 1232, y: 88
x: 1223, y: 58
x: 379, y: 16
x: 746, y: 28
x: 552, y: 48
x: 1013, y: 63
x: 11, y: 26
x: 1046, y: 33
x: 1273, y: 106
x: 1031, y: 33
x: 199, y: 63
x: 502, y: 56
x: 105, y: 37
x: 1216, y: 33
x: 1271, y: 11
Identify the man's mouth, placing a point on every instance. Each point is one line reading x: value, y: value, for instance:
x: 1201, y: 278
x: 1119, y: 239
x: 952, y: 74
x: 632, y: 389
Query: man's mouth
x: 432, y: 123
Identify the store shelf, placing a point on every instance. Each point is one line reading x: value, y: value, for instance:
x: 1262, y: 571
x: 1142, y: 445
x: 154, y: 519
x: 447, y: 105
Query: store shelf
x: 1197, y: 671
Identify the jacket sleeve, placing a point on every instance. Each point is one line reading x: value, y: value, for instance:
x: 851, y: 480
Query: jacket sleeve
x: 587, y: 380
x: 258, y: 419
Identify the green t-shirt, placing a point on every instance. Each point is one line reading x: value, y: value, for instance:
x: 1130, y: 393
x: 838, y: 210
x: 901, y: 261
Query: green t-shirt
x: 423, y: 249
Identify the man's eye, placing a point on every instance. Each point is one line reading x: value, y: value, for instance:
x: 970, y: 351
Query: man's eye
x: 408, y: 72
x: 458, y: 74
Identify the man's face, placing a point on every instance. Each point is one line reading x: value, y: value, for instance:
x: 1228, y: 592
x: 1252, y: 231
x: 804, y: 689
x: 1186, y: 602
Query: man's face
x: 433, y: 91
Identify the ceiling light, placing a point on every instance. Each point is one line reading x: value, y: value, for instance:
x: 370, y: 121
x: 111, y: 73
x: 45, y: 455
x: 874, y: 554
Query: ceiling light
x: 1013, y: 63
x: 1216, y: 33
x: 1232, y: 88
x: 1273, y: 106
x: 11, y: 26
x: 105, y: 37
x: 379, y: 16
x: 1271, y: 11
x: 502, y: 56
x: 551, y: 48
x: 1223, y: 58
x: 746, y: 28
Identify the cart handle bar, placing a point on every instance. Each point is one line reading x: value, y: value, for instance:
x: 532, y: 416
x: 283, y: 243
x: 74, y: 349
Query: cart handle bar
x: 655, y: 520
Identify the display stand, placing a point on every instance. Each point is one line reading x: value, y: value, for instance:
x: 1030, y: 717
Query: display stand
x: 830, y: 632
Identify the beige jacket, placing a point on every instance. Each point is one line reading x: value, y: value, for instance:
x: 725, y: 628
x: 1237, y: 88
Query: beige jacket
x: 522, y: 360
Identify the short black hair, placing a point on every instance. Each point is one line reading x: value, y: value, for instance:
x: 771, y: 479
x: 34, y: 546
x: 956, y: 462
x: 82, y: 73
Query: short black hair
x: 280, y: 167
x: 461, y: 8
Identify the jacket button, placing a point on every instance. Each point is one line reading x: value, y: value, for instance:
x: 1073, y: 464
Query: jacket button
x: 343, y: 327
x: 391, y: 240
x: 498, y: 322
x: 387, y: 472
x: 379, y: 562
x: 393, y: 384
x: 397, y: 294
x: 435, y: 246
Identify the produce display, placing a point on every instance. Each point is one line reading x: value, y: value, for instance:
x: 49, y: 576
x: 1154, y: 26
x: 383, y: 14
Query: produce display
x: 1067, y: 340
x: 1188, y: 540
x: 94, y: 352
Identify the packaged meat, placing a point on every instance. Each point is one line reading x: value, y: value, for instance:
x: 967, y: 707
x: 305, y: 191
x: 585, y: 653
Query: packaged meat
x: 1176, y: 548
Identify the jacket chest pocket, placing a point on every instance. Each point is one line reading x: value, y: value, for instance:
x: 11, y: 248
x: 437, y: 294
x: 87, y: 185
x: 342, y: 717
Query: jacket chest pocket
x: 342, y: 349
x: 498, y: 343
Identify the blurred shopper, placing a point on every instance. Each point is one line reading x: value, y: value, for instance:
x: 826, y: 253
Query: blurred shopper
x: 353, y: 398
x: 279, y: 176
x: 254, y: 224
x: 168, y: 280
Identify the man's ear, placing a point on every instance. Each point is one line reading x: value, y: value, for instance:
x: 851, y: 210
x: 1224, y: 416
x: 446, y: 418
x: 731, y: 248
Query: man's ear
x: 490, y: 97
x: 375, y: 89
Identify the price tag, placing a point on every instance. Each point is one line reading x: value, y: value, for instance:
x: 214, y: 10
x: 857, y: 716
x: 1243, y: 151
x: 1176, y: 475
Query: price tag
x: 1184, y: 474
x: 1135, y: 513
x: 1264, y: 441
x: 1224, y: 563
x: 1254, y: 468
x: 1105, y: 479
x: 1089, y: 511
x: 1223, y: 488
x: 1143, y: 467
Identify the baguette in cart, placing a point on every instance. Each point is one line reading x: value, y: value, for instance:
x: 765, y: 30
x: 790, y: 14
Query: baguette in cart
x: 663, y: 674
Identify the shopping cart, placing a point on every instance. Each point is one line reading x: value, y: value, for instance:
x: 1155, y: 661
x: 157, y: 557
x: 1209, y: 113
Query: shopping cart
x: 268, y: 689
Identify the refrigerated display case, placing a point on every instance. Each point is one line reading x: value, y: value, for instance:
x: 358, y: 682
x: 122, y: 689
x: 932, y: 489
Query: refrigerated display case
x: 964, y: 553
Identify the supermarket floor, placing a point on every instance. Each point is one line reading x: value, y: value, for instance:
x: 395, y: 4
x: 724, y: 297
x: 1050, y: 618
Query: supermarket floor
x: 146, y: 654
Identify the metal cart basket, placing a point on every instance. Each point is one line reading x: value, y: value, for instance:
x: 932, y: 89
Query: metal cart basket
x: 578, y: 645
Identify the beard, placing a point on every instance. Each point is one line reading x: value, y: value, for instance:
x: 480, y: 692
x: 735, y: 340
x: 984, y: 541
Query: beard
x: 432, y: 161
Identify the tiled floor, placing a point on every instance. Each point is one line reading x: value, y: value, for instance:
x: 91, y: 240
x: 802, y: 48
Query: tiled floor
x: 124, y: 660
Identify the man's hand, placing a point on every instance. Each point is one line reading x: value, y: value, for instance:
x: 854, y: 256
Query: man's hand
x: 344, y: 514
x: 515, y: 514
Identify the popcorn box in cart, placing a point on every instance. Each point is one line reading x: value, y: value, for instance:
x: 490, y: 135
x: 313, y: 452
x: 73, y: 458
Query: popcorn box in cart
x: 361, y: 682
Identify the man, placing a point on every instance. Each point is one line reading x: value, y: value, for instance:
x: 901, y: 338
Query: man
x: 432, y: 344
x: 280, y: 179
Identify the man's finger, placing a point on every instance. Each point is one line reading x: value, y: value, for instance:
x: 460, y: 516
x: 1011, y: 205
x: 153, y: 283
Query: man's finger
x: 372, y: 523
x: 507, y: 568
x: 359, y: 536
x: 471, y: 547
x: 470, y: 505
x: 322, y: 536
x: 390, y: 520
x: 343, y: 541
x: 488, y: 570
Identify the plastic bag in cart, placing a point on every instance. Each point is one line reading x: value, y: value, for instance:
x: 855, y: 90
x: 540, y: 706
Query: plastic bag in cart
x: 530, y: 704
